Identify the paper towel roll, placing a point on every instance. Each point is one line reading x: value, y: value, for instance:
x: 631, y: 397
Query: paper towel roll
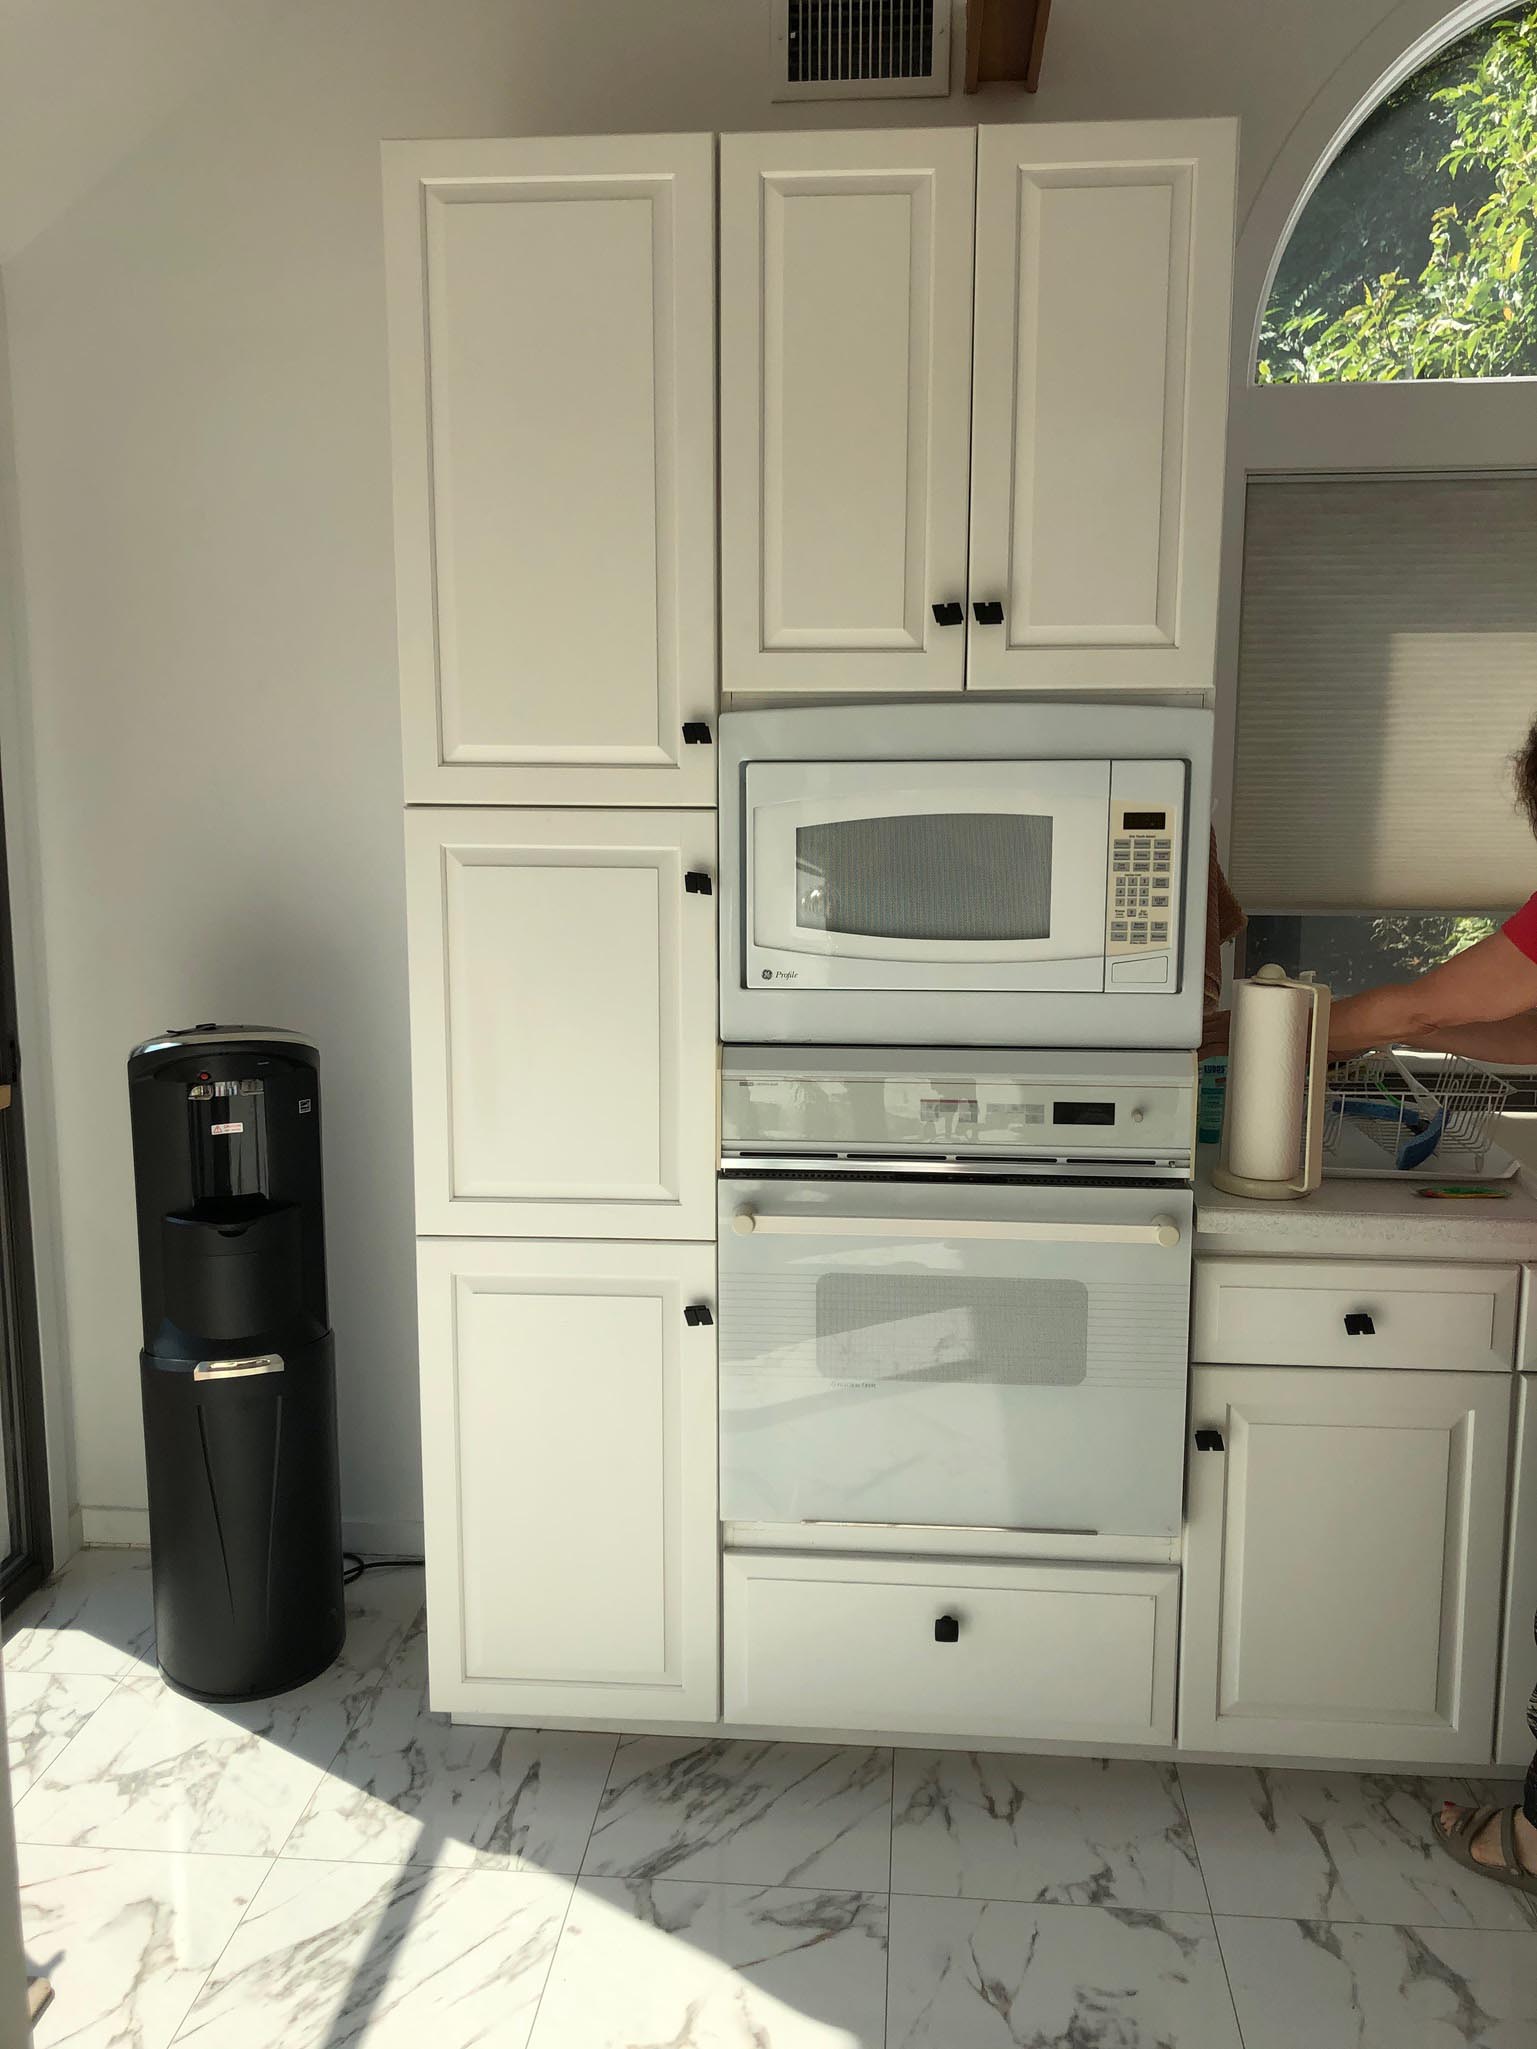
x: 1267, y: 1080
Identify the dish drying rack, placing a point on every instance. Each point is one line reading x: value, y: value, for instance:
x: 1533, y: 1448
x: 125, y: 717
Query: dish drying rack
x: 1377, y: 1107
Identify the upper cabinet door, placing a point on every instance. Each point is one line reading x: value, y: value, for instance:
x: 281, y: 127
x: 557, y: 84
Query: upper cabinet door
x: 552, y: 327
x: 1104, y: 261
x: 845, y: 415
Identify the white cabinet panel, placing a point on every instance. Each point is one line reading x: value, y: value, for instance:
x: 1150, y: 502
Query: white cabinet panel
x: 552, y: 376
x: 1338, y: 1312
x: 947, y: 1647
x: 568, y: 1446
x: 1104, y: 257
x: 1514, y: 1741
x: 563, y: 1022
x: 1342, y: 1572
x: 845, y: 381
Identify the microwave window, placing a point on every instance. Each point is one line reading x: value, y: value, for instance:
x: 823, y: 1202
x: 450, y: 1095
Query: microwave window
x: 958, y: 876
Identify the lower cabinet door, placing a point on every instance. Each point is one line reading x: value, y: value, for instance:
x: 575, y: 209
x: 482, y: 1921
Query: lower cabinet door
x: 1081, y: 1653
x: 568, y: 1450
x: 1518, y: 1665
x: 1343, y: 1563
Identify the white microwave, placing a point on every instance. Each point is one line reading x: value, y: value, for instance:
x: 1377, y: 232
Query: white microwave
x: 964, y: 874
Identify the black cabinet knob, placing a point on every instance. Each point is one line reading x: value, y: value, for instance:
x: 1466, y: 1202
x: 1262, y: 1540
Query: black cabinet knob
x: 696, y: 734
x: 947, y: 1629
x: 949, y: 614
x: 1359, y: 1325
x: 1208, y: 1440
x: 697, y: 1313
x: 988, y: 613
x: 698, y: 885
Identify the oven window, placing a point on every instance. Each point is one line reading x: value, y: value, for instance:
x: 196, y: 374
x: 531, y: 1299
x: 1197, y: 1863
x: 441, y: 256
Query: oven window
x: 928, y: 875
x: 915, y: 1326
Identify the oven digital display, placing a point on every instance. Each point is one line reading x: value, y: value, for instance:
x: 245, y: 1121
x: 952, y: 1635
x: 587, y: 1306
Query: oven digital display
x: 1083, y: 1113
x: 1147, y: 821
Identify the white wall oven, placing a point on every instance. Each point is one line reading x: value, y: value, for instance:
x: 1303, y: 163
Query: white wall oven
x: 956, y: 874
x: 955, y: 1295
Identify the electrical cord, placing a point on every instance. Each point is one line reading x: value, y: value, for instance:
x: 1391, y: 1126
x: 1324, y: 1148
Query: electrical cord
x: 354, y: 1567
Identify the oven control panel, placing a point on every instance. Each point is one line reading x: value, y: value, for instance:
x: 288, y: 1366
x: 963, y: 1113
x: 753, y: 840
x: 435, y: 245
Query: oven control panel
x: 974, y: 1105
x: 1144, y: 872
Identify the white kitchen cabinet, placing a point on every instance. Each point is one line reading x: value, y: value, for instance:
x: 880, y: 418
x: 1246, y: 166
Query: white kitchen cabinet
x: 845, y: 389
x: 568, y: 1455
x: 1514, y: 1741
x: 552, y: 377
x: 563, y: 1000
x: 1343, y: 1563
x: 1099, y: 403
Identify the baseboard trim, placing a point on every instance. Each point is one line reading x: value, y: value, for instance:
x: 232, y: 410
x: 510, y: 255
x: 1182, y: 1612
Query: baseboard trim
x: 128, y: 1528
x: 105, y: 1529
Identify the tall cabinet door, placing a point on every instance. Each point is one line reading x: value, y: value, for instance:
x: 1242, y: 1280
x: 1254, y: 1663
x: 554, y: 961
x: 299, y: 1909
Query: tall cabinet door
x: 845, y: 421
x: 552, y: 377
x: 1343, y: 1563
x: 563, y: 1022
x: 568, y: 1455
x: 1104, y: 260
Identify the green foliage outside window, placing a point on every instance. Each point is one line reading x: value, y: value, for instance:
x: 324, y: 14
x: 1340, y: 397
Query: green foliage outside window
x: 1417, y: 255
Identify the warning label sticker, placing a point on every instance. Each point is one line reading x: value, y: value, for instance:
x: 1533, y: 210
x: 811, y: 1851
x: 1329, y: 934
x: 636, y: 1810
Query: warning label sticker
x: 224, y: 1130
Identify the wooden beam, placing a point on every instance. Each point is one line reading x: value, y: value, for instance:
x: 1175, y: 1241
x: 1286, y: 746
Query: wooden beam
x: 1005, y: 40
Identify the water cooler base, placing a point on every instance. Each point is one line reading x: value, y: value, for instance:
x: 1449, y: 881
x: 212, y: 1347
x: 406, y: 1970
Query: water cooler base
x: 245, y: 1524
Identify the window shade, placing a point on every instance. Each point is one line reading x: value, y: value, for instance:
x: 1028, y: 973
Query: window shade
x: 1387, y: 672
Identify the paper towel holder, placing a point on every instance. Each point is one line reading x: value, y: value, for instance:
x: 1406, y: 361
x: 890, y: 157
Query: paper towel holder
x: 1315, y: 1095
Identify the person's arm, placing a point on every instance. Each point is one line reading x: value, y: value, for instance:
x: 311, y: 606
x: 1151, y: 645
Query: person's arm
x: 1510, y: 1043
x: 1488, y: 984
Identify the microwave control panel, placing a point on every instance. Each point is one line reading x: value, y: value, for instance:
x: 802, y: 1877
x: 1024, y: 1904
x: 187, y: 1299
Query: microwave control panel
x: 1143, y: 926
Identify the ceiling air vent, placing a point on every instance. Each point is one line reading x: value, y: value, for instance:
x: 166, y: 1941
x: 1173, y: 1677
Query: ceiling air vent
x: 859, y: 49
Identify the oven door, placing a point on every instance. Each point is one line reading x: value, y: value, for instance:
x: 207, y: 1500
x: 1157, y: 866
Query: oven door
x: 1001, y: 1356
x: 947, y: 875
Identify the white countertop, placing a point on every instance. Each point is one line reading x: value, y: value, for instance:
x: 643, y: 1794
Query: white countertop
x: 1368, y: 1219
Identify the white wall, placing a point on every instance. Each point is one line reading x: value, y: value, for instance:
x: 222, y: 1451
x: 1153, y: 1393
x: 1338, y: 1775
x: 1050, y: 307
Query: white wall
x: 201, y: 440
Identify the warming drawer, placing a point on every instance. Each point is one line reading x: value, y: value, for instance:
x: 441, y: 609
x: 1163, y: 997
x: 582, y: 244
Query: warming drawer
x: 1081, y: 1653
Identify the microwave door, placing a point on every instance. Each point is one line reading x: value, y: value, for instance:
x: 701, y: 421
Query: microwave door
x: 953, y: 875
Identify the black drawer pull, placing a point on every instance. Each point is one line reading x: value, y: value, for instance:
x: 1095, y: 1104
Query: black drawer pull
x: 697, y: 1313
x: 698, y: 885
x: 696, y: 734
x: 950, y: 614
x: 947, y: 1629
x: 1209, y: 1440
x: 1359, y: 1325
x: 988, y: 612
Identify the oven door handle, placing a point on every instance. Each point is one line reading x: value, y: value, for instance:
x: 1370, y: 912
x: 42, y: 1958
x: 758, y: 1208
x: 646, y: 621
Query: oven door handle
x: 1057, y: 1231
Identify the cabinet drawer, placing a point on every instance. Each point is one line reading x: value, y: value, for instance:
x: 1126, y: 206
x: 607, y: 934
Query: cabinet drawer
x: 1079, y: 1652
x: 1326, y: 1312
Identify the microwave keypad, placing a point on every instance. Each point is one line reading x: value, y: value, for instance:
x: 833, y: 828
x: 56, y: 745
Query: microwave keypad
x: 1141, y: 881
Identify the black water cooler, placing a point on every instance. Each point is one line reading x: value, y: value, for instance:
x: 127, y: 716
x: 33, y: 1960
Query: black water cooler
x: 238, y: 1370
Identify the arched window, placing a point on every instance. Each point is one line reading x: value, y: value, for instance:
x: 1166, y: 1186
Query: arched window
x: 1416, y: 255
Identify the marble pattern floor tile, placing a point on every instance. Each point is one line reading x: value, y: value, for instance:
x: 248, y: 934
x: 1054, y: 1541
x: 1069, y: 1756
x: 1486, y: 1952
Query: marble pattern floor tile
x: 153, y: 1770
x: 1073, y: 1831
x: 702, y: 1966
x: 1334, y: 1846
x: 127, y: 1938
x: 985, y: 1974
x: 1337, y: 1985
x: 797, y: 1814
x: 156, y: 1770
x: 408, y: 1787
x: 335, y: 1956
x: 44, y: 1711
x: 97, y: 1616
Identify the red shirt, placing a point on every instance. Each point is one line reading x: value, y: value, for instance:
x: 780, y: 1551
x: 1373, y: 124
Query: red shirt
x: 1521, y: 929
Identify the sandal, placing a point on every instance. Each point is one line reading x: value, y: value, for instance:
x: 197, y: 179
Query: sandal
x: 1458, y: 1840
